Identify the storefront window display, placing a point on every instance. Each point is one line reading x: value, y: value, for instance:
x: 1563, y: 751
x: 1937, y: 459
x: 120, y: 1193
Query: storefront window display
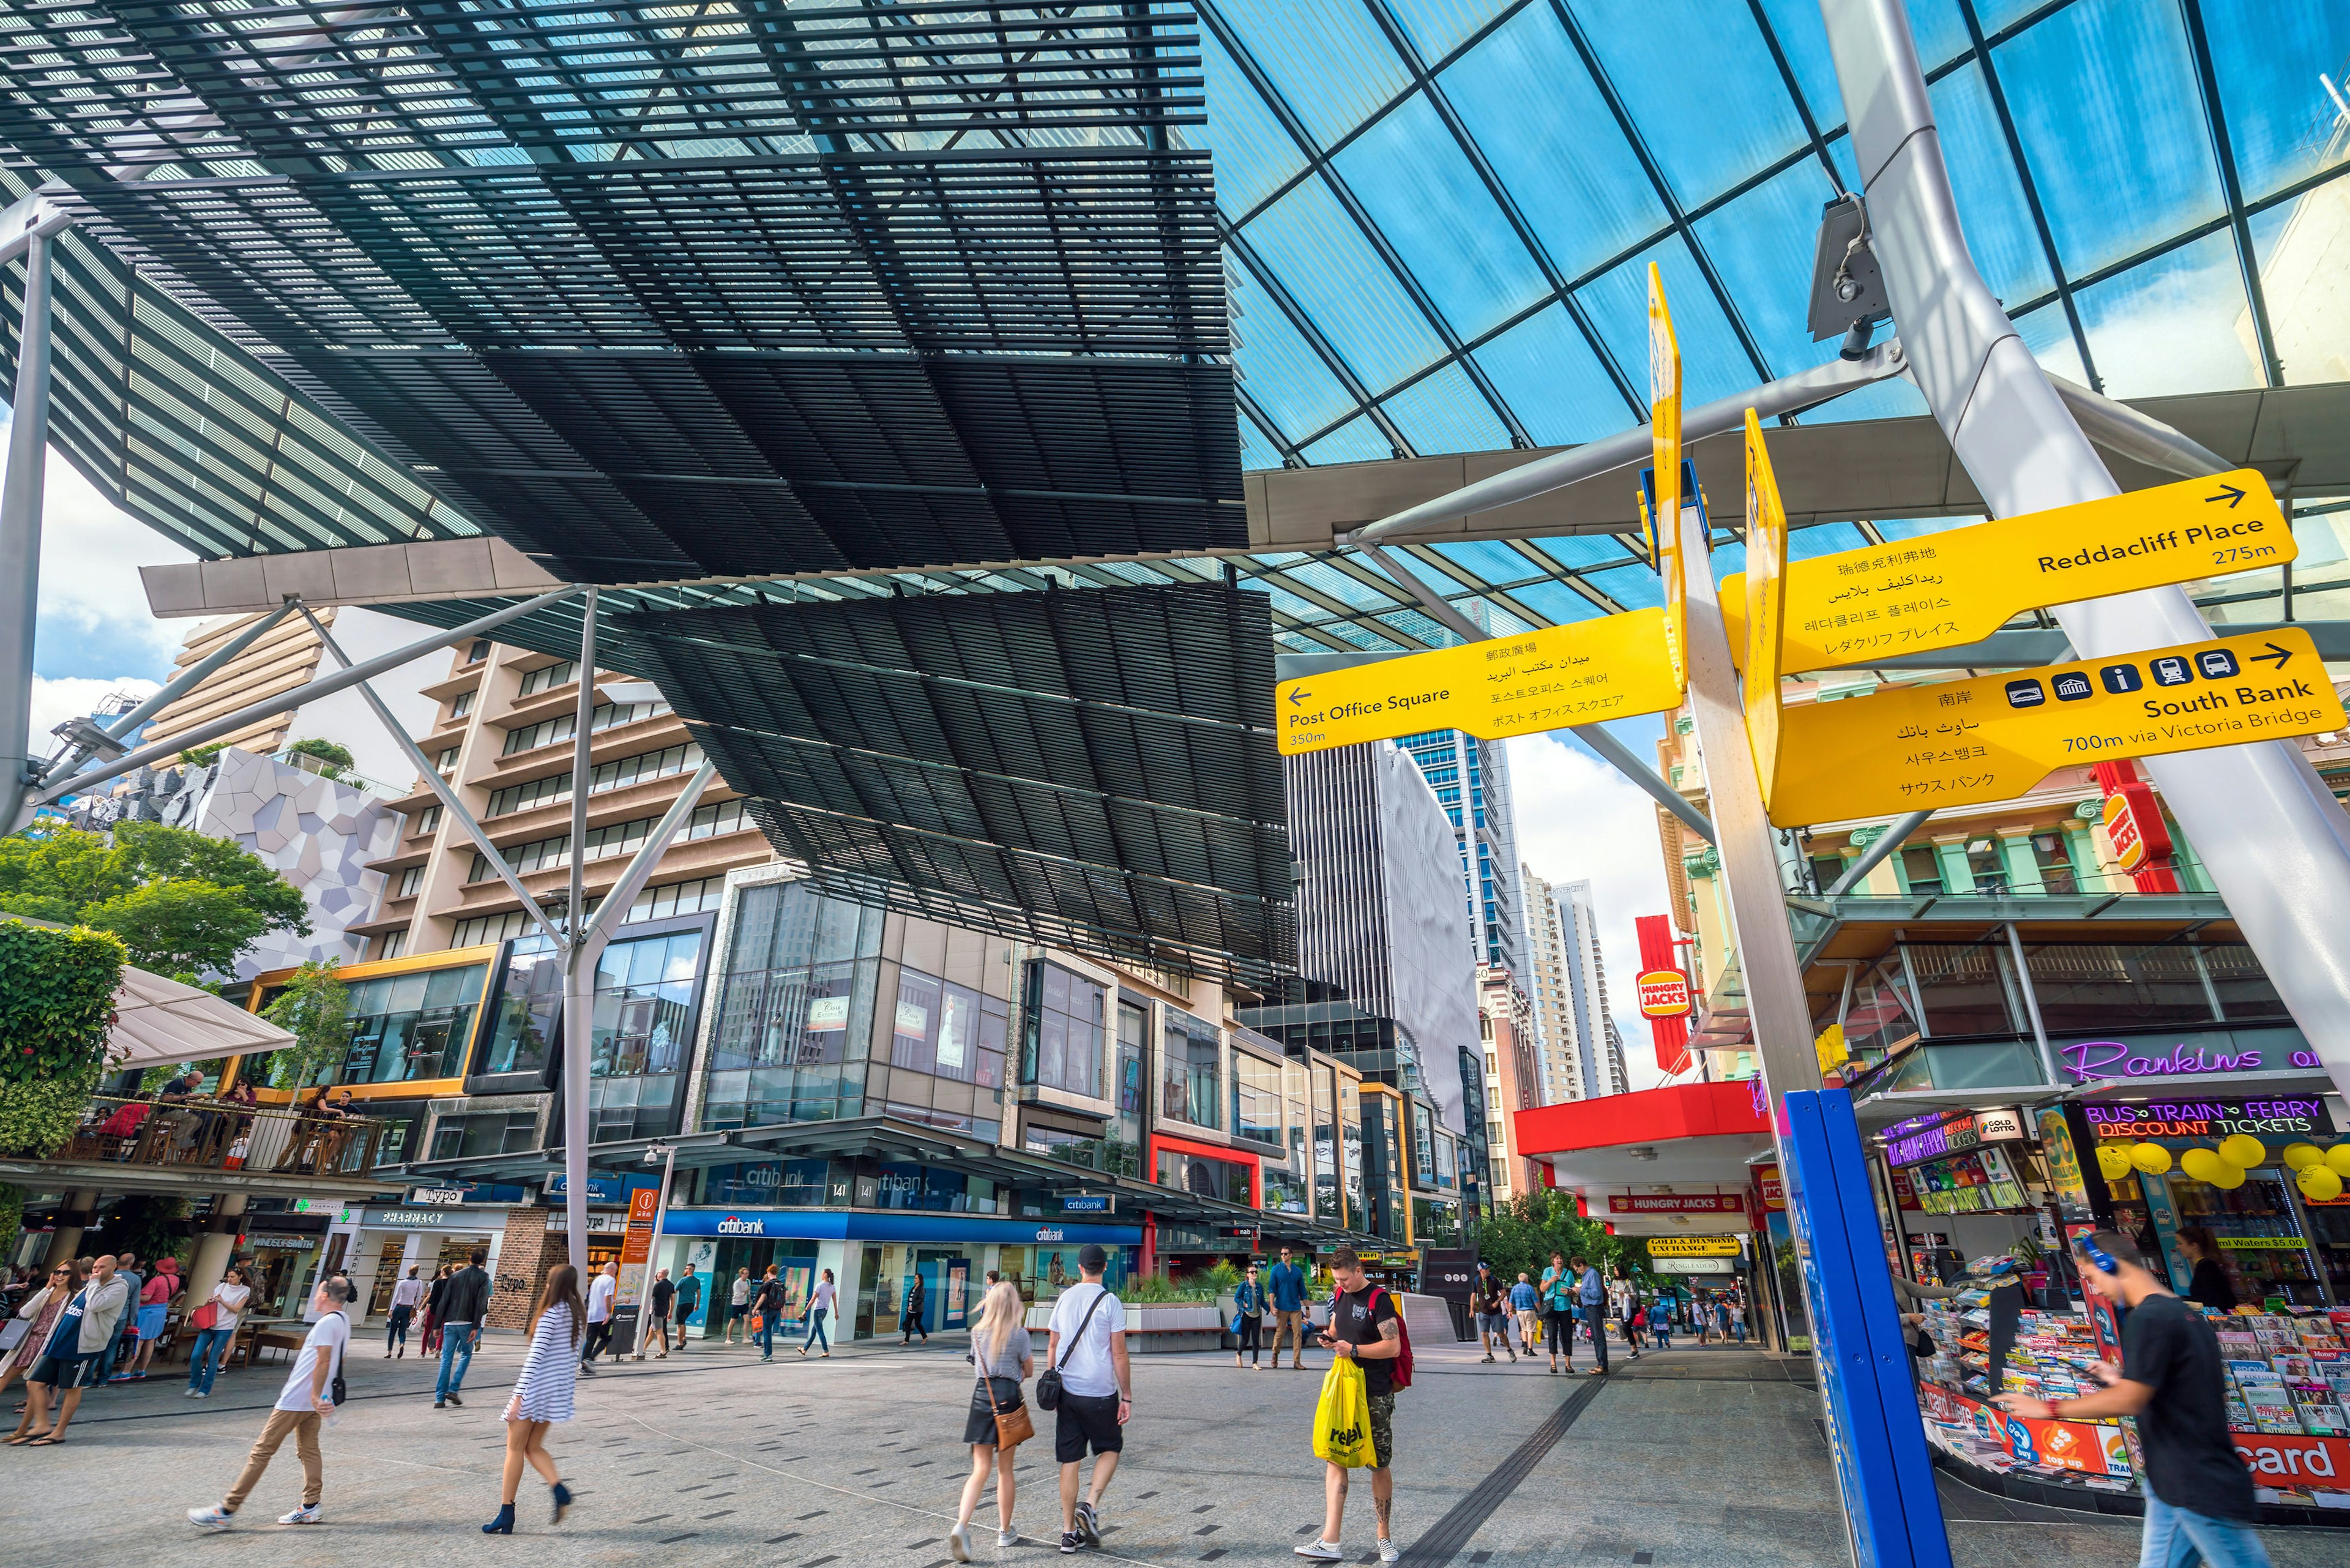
x: 1350, y: 1122
x: 795, y: 1012
x: 406, y: 1027
x: 1191, y: 1065
x: 1065, y: 1031
x: 1325, y: 1145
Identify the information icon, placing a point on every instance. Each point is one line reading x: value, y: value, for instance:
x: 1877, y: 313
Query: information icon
x: 2121, y: 678
x: 2172, y: 670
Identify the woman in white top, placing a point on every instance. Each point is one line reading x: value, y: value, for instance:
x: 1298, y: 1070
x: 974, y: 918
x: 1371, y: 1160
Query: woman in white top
x: 227, y: 1302
x: 542, y: 1395
x: 820, y: 1301
x: 1001, y: 1350
x: 406, y: 1297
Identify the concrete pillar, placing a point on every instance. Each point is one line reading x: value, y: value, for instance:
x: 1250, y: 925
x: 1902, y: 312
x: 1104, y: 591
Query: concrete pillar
x: 2088, y: 875
x: 65, y: 1238
x: 1958, y: 876
x: 216, y: 1247
x: 2023, y: 867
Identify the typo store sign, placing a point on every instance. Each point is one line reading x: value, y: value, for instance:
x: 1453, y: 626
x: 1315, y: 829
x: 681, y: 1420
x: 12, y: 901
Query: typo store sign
x: 2283, y: 1116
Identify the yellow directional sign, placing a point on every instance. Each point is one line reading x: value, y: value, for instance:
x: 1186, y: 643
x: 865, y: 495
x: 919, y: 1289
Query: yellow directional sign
x: 1612, y: 667
x: 1665, y: 453
x: 1948, y: 589
x: 1692, y: 1246
x: 1964, y: 741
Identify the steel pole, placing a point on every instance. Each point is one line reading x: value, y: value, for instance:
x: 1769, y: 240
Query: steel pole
x: 578, y: 1020
x: 2276, y: 843
x: 1886, y: 844
x: 20, y: 534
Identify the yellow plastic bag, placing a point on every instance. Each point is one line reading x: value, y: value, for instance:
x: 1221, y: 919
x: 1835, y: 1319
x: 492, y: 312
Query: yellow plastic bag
x: 1342, y: 1421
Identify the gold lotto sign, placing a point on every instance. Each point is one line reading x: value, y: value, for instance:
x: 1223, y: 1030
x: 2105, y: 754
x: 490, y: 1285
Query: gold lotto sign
x: 1613, y: 668
x: 1948, y: 589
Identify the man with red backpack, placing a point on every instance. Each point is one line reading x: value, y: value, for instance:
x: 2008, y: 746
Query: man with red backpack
x: 1366, y: 1326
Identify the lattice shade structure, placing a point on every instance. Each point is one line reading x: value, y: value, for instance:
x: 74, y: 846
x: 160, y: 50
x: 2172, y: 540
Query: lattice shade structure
x: 662, y: 294
x: 1094, y: 770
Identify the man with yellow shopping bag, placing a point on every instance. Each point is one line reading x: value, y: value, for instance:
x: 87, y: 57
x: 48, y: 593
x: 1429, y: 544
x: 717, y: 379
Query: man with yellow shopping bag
x: 1354, y: 1424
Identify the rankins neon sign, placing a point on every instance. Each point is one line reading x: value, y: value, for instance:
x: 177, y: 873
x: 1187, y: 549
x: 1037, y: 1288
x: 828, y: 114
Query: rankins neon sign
x: 2095, y: 1061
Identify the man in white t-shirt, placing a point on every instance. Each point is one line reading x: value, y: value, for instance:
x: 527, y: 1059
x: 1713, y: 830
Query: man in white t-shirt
x: 1088, y: 1344
x: 602, y: 1292
x: 302, y: 1405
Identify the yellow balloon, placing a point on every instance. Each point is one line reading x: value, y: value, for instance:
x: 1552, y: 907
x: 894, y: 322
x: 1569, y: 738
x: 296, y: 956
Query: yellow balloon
x: 2302, y: 1155
x: 2319, y: 1183
x: 2244, y: 1149
x: 2337, y: 1159
x: 2150, y: 1158
x: 2202, y: 1164
x: 2231, y: 1177
x: 2115, y: 1162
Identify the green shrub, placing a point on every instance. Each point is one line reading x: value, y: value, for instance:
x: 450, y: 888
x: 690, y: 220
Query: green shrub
x: 56, y: 1003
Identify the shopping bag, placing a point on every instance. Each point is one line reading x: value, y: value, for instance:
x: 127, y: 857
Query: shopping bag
x: 1342, y: 1421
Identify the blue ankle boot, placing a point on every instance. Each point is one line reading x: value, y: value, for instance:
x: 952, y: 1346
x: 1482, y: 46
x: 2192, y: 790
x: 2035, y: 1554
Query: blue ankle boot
x: 562, y: 1501
x: 503, y: 1524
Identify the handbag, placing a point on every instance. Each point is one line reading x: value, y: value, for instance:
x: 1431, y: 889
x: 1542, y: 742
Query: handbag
x: 1048, y: 1382
x: 13, y: 1333
x: 205, y: 1317
x: 1011, y: 1430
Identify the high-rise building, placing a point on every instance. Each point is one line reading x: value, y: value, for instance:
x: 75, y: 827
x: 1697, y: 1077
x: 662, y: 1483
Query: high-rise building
x: 1472, y: 780
x: 1512, y: 1076
x: 1583, y: 1053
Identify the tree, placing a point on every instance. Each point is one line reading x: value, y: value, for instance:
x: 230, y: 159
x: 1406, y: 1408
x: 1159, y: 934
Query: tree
x: 335, y: 758
x: 316, y: 1006
x: 57, y: 1004
x: 182, y: 903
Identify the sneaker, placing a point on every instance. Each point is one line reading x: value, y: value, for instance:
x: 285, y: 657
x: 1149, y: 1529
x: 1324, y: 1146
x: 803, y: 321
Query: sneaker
x: 1489, y: 1360
x: 1321, y: 1551
x: 1389, y: 1551
x: 191, y: 1393
x: 959, y: 1544
x: 1071, y: 1541
x: 210, y: 1518
x: 1090, y: 1523
x: 1005, y: 1538
x: 204, y: 1393
x: 309, y: 1515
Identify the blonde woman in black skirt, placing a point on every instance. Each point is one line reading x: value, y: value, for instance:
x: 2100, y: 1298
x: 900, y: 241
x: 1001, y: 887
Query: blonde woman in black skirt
x: 1000, y: 1351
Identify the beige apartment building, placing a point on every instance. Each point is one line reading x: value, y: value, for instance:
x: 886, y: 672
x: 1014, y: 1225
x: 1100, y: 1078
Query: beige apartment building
x: 280, y: 660
x: 502, y: 737
x: 1505, y: 1023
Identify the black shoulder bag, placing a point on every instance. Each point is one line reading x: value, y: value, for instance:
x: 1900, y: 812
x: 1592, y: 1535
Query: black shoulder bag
x: 1048, y: 1382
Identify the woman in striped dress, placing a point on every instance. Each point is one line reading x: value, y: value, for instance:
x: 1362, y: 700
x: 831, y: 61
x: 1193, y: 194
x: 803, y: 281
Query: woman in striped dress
x: 542, y: 1395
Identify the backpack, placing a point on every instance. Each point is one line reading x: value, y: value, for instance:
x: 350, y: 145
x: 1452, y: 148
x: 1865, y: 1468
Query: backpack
x: 1400, y: 1375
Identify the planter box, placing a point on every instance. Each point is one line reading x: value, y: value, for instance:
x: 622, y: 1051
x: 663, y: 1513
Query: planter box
x: 1184, y: 1326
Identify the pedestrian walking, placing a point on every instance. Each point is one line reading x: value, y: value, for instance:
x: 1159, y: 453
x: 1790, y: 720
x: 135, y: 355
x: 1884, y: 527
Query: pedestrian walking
x: 2200, y: 1499
x: 602, y: 1293
x: 71, y: 1357
x: 1004, y: 1356
x: 431, y: 1342
x: 1248, y: 1324
x: 164, y: 1287
x: 1288, y: 1287
x: 1660, y: 1322
x: 1366, y: 1327
x: 543, y: 1395
x: 821, y: 1303
x: 466, y: 1304
x: 1591, y: 1293
x: 689, y: 1302
x: 738, y: 1306
x: 1703, y: 1313
x: 1628, y: 1315
x: 406, y: 1297
x: 1525, y: 1302
x: 217, y: 1331
x: 113, y: 1363
x: 1490, y: 1303
x: 1722, y: 1319
x: 1737, y: 1320
x: 1558, y: 1311
x: 37, y: 1315
x: 664, y: 1295
x: 767, y: 1310
x: 1087, y: 1347
x: 909, y: 1312
x: 302, y: 1405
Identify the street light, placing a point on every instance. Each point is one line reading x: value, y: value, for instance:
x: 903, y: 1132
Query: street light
x: 665, y: 1156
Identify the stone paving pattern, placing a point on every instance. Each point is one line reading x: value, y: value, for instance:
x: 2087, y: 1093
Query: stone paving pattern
x: 1709, y: 1458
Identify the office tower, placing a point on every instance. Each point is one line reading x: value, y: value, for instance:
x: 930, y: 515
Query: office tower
x: 1472, y: 780
x: 1583, y: 1054
x: 1560, y: 1075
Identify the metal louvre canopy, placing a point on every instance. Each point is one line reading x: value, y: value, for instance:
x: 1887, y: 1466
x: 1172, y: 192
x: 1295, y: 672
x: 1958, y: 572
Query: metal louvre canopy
x: 1094, y: 769
x: 660, y: 293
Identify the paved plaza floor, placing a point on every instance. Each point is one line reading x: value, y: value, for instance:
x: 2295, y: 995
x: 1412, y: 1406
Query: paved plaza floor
x: 1701, y: 1456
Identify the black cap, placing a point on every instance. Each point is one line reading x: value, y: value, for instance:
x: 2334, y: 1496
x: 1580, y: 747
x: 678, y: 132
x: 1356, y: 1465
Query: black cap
x: 1091, y: 1259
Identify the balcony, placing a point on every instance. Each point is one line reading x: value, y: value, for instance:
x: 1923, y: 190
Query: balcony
x: 150, y: 1145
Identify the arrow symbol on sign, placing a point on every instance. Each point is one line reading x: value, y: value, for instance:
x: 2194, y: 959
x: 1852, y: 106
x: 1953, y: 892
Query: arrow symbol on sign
x: 2276, y: 656
x: 1297, y: 695
x: 2228, y: 494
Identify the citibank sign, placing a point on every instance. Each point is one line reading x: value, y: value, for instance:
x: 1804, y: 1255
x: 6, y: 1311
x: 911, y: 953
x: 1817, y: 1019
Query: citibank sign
x: 734, y: 1225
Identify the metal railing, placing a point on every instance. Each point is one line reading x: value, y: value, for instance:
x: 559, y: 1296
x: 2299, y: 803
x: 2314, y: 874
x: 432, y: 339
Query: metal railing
x: 214, y: 1135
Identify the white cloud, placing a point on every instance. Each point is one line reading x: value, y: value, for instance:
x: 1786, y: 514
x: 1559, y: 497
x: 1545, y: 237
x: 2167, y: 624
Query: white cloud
x: 1580, y: 820
x: 93, y: 621
x: 54, y: 702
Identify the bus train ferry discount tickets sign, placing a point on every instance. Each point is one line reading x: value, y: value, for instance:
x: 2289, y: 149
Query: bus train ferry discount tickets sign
x: 1948, y: 589
x: 1562, y: 676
